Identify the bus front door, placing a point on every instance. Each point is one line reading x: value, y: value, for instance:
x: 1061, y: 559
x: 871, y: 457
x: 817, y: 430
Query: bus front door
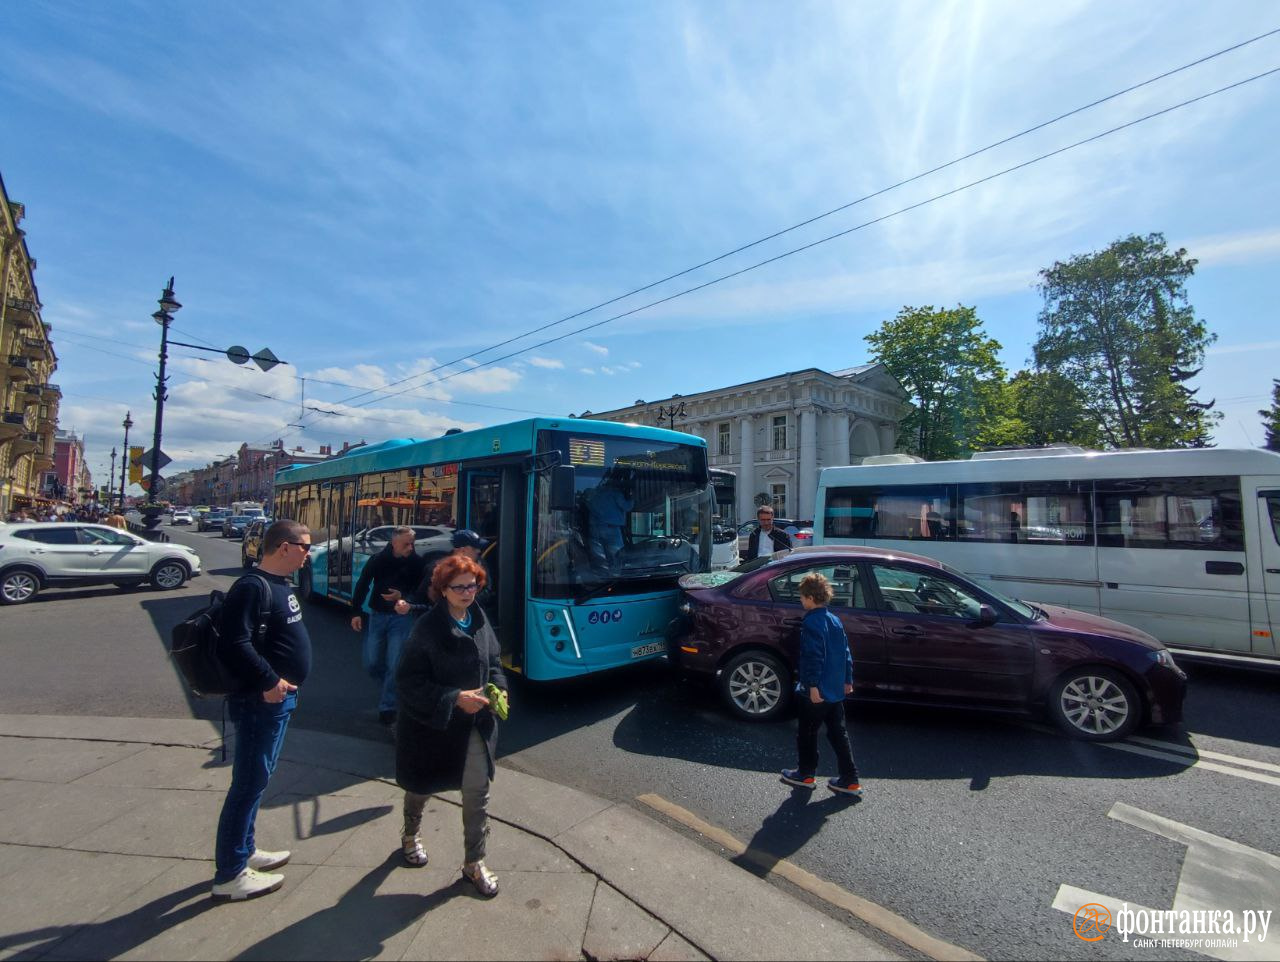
x: 496, y: 509
x: 341, y: 519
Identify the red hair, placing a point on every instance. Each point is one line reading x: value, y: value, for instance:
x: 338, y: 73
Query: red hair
x: 452, y: 566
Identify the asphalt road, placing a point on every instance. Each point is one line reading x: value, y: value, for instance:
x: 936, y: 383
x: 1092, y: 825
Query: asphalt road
x: 969, y: 826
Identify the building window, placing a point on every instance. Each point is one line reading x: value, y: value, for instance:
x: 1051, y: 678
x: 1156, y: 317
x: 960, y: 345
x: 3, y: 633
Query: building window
x: 722, y: 438
x: 778, y: 494
x: 779, y: 432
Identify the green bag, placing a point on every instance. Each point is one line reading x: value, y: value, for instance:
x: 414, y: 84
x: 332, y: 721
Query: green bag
x: 497, y: 700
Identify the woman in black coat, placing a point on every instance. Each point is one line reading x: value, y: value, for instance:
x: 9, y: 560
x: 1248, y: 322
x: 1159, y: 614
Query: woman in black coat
x: 446, y: 730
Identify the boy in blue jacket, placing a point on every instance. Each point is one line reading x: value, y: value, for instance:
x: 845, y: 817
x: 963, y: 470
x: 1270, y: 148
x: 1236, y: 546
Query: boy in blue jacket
x: 826, y: 677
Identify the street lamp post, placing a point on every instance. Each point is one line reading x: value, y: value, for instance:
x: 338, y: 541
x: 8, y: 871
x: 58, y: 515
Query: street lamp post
x: 124, y: 463
x: 168, y: 307
x: 111, y: 477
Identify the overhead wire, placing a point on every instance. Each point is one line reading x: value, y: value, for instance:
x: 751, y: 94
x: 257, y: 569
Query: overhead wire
x: 835, y: 210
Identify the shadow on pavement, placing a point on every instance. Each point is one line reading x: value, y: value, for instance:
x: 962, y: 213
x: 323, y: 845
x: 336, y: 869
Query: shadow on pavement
x: 114, y: 937
x: 1236, y: 703
x: 889, y: 742
x: 788, y: 829
x: 357, y: 926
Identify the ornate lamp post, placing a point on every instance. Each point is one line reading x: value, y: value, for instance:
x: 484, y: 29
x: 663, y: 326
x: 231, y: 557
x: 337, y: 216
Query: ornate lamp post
x: 168, y: 307
x: 124, y: 464
x: 111, y: 477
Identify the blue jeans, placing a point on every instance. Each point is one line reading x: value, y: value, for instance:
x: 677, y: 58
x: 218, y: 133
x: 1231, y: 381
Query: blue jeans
x: 260, y: 728
x: 383, y: 642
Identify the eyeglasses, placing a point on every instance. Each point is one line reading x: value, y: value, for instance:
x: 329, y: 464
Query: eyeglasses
x: 301, y: 544
x: 464, y: 589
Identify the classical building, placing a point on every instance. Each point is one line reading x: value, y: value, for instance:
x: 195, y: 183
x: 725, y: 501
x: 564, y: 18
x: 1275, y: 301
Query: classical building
x: 29, y: 419
x: 248, y: 475
x: 775, y: 433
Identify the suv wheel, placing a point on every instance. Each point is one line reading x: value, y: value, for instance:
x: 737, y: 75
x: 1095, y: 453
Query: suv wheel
x: 756, y: 686
x: 168, y: 575
x: 1095, y: 704
x: 18, y: 586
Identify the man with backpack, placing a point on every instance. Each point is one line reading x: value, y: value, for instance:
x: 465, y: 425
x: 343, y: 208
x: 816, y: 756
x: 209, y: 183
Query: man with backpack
x: 265, y: 647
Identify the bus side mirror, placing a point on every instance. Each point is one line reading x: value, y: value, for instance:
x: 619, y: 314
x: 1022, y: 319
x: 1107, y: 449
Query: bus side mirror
x: 563, y: 479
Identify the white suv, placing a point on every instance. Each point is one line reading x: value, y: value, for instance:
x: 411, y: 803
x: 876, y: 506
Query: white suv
x: 56, y: 554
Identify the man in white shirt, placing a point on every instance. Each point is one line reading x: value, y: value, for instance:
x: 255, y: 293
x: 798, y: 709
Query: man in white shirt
x: 766, y: 539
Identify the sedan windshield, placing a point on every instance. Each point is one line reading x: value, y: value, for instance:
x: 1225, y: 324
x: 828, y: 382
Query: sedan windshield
x: 638, y: 517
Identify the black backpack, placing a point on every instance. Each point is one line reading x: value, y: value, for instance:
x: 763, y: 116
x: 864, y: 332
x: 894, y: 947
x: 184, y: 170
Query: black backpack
x: 194, y: 647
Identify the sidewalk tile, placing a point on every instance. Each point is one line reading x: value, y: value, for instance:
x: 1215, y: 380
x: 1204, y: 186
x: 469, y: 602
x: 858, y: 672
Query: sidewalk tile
x: 540, y: 806
x: 370, y: 844
x: 347, y: 913
x: 313, y: 828
x: 54, y: 760
x: 40, y: 813
x: 620, y: 929
x: 57, y: 892
x: 161, y: 766
x: 676, y: 949
x: 534, y: 916
x: 296, y: 779
x: 173, y: 824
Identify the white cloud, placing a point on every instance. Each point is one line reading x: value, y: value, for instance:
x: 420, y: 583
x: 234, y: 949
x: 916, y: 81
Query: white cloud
x: 1242, y: 248
x: 586, y: 370
x: 547, y: 362
x: 598, y: 348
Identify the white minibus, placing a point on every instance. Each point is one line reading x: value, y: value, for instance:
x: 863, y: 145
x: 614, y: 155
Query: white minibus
x: 1182, y: 544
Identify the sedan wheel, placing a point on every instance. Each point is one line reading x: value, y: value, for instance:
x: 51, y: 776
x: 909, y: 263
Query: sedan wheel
x: 169, y: 575
x: 755, y: 686
x: 1095, y: 704
x: 18, y: 586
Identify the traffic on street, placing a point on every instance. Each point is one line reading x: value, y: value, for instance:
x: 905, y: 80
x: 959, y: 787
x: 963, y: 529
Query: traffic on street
x: 984, y: 830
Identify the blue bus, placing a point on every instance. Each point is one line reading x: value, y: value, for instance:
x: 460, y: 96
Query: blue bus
x: 590, y: 525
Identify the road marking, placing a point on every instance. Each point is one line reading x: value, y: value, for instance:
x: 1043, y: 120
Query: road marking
x: 1217, y: 874
x: 877, y: 915
x: 1205, y: 753
x: 1191, y: 761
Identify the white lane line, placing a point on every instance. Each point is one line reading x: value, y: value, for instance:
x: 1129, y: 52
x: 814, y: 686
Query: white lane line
x: 1187, y: 761
x: 1205, y: 753
x: 877, y: 915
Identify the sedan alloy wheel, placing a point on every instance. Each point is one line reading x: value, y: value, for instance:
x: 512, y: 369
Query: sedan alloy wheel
x: 754, y: 685
x: 1096, y: 704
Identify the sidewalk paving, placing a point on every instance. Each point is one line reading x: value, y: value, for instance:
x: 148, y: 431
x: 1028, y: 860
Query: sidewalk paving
x: 106, y: 836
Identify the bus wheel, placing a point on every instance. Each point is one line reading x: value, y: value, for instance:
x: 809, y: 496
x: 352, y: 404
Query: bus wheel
x: 1094, y: 704
x: 756, y: 686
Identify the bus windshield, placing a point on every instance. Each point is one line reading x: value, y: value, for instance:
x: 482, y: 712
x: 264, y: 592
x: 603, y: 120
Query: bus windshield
x: 639, y: 518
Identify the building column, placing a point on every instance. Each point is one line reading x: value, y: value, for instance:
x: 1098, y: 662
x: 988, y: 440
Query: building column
x: 807, y: 464
x: 747, y: 470
x: 840, y: 451
x: 888, y: 438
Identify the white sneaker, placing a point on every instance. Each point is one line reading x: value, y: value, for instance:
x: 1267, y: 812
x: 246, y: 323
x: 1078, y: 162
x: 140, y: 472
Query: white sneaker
x: 261, y: 861
x: 247, y: 885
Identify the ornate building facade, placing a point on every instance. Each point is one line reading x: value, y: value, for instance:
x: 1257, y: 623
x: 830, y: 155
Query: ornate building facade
x: 29, y: 419
x: 776, y: 433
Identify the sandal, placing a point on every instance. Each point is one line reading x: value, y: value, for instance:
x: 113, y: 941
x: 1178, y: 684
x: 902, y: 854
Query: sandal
x: 477, y: 874
x: 414, y: 854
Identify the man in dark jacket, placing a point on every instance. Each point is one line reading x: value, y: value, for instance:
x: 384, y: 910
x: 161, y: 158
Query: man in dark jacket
x: 766, y: 539
x: 393, y: 574
x: 271, y: 665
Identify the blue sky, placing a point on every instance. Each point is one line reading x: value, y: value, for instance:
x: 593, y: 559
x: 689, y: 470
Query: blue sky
x: 373, y: 190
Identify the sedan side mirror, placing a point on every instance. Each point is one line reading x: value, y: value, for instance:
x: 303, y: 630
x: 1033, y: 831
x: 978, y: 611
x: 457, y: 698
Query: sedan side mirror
x: 986, y: 617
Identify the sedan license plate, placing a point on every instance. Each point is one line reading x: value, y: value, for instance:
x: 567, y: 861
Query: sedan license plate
x: 653, y: 648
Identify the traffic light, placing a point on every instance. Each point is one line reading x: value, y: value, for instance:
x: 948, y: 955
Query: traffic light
x: 135, y: 464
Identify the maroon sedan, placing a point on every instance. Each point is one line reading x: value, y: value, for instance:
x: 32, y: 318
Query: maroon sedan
x: 921, y: 632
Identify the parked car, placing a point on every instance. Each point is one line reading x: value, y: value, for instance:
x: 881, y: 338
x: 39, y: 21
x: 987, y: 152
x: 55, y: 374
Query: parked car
x: 181, y: 516
x: 921, y: 632
x: 211, y: 520
x: 38, y: 556
x: 801, y: 533
x: 233, y: 526
x: 251, y: 544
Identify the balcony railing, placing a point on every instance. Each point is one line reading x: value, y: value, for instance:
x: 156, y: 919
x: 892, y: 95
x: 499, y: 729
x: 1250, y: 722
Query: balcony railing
x: 32, y: 347
x: 22, y: 313
x: 14, y: 417
x: 19, y: 366
x: 51, y: 390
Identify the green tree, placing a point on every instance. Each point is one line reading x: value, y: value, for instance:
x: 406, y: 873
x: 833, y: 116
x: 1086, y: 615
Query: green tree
x: 949, y: 366
x: 1271, y: 418
x: 1117, y: 324
x: 1037, y: 408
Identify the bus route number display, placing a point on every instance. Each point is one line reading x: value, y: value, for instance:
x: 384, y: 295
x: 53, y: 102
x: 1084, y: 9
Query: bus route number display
x: 586, y: 453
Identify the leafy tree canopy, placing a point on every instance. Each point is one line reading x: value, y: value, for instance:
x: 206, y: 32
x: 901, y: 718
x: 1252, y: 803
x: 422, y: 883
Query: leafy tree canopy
x: 949, y: 366
x: 1117, y: 324
x: 1271, y: 419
